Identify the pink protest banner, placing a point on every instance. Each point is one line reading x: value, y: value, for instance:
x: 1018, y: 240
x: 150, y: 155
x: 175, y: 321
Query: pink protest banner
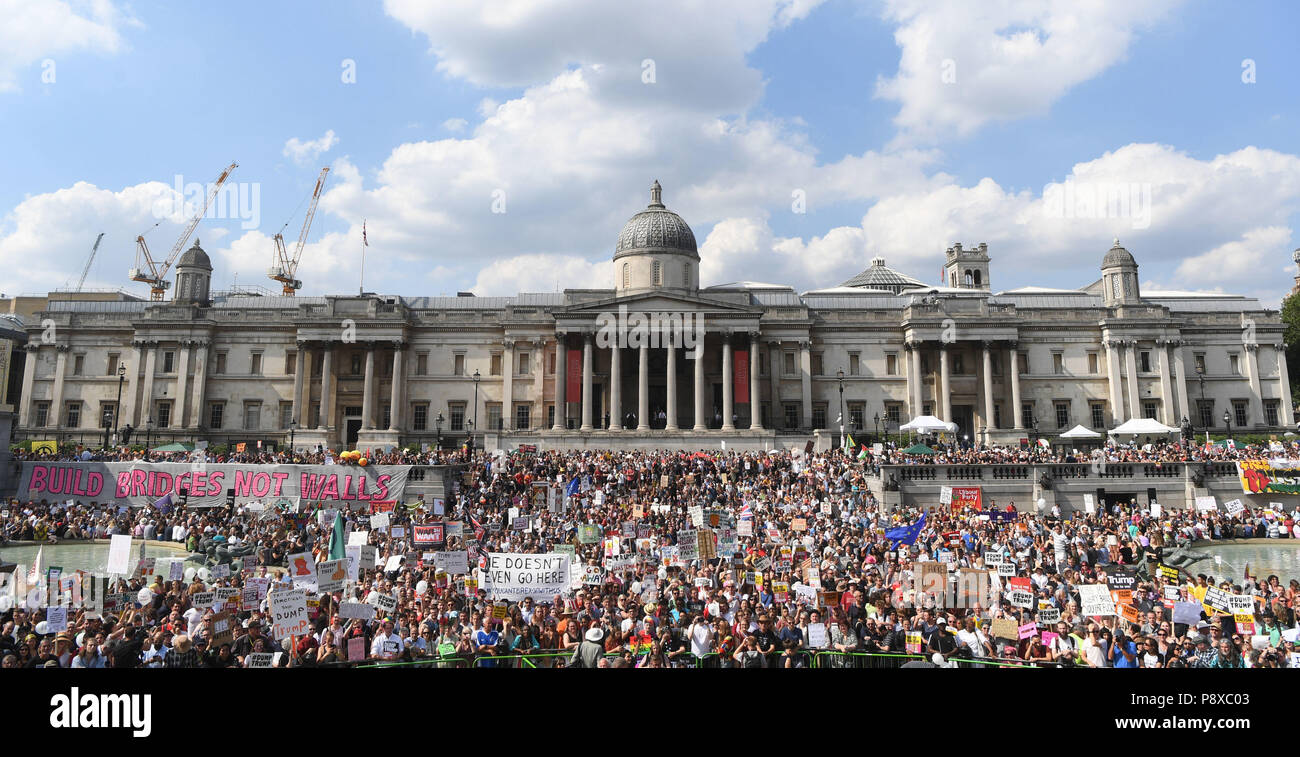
x: 1029, y: 630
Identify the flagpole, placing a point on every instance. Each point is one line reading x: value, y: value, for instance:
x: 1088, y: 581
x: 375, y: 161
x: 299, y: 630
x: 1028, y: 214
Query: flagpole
x: 361, y: 290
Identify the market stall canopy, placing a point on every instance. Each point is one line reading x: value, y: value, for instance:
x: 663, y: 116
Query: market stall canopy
x: 1079, y: 432
x: 1140, y: 426
x: 928, y: 424
x: 918, y: 449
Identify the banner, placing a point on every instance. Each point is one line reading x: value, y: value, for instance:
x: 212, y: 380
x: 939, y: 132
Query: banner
x: 966, y: 496
x: 740, y: 376
x: 573, y: 376
x: 1269, y: 476
x: 143, y: 484
x: 516, y: 576
x: 432, y: 533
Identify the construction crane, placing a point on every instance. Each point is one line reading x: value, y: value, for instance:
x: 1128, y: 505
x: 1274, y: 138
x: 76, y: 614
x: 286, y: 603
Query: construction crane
x: 147, y: 270
x: 285, y: 267
x: 81, y: 281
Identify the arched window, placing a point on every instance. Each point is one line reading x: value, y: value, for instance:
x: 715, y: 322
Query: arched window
x: 627, y: 277
x: 657, y: 274
x: 970, y: 280
x: 977, y: 278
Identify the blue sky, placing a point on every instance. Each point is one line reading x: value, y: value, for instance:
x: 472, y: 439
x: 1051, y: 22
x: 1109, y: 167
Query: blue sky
x: 545, y: 106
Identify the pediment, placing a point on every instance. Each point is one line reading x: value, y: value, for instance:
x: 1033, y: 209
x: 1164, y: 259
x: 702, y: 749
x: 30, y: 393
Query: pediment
x: 660, y: 302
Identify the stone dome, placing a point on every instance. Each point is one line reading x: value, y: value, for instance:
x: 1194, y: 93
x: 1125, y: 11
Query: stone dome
x: 1117, y: 256
x: 656, y: 229
x: 195, y: 257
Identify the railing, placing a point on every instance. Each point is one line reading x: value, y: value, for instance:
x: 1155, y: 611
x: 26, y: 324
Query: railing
x: 1011, y: 471
x: 1221, y: 469
x: 965, y: 472
x: 434, y: 662
x: 893, y: 660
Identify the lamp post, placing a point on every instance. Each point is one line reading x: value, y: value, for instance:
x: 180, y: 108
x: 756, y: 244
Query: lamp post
x: 840, y: 375
x: 148, y: 437
x: 117, y: 409
x: 1201, y: 377
x: 438, y: 425
x: 875, y: 420
x: 475, y: 424
x: 1227, y: 421
x: 1186, y: 428
x: 293, y: 426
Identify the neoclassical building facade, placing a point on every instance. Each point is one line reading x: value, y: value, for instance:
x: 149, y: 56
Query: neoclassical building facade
x: 753, y: 364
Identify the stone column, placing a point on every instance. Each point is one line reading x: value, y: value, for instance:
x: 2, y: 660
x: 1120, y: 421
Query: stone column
x: 1286, y: 414
x: 755, y: 406
x: 643, y: 388
x: 539, y: 375
x: 774, y: 379
x: 561, y: 381
x: 1167, y: 409
x: 299, y: 368
x: 805, y: 377
x: 508, y: 386
x: 29, y: 376
x: 1013, y: 371
x: 1180, y: 381
x: 182, y: 385
x: 1256, y: 396
x: 54, y: 418
x: 1134, y: 406
x: 944, y: 386
x: 914, y: 389
x: 150, y: 364
x: 398, y: 389
x: 368, y: 390
x: 200, y: 383
x: 671, y: 393
x: 615, y: 387
x: 700, y: 423
x: 586, y: 381
x: 132, y: 394
x: 728, y: 400
x: 326, y: 419
x: 1116, y: 393
x: 989, y: 416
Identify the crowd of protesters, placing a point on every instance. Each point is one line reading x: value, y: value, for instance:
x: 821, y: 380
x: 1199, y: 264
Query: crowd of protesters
x: 814, y: 580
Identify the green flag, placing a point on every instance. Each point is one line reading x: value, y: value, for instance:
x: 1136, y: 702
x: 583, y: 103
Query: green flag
x: 337, y: 542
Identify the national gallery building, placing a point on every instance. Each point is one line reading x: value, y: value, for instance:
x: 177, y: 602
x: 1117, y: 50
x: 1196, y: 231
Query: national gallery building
x: 756, y: 365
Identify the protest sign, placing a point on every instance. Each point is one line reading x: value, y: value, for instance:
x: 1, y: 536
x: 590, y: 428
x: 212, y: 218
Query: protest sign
x: 119, y: 555
x: 1049, y: 615
x: 1004, y: 628
x: 1269, y: 476
x: 453, y: 563
x: 263, y: 659
x: 912, y: 642
x: 223, y: 629
x: 945, y: 495
x: 513, y: 576
x: 1096, y: 600
x: 1028, y: 631
x: 379, y: 521
x: 1234, y: 507
x: 1021, y: 599
x: 288, y: 613
x: 992, y: 559
x: 357, y: 538
x: 1006, y: 569
x: 357, y: 649
x: 1206, y: 503
x: 330, y: 575
x: 1187, y: 613
x: 429, y: 533
x: 589, y: 533
x: 1217, y: 599
x: 817, y: 635
x: 357, y: 610
x: 688, y: 544
x: 384, y: 603
x: 302, y: 569
x: 56, y: 618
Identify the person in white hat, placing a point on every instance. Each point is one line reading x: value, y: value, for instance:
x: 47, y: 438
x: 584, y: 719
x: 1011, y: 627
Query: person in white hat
x: 590, y: 650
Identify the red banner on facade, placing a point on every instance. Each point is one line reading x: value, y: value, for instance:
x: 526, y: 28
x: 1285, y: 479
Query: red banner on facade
x: 573, y: 387
x: 740, y: 375
x: 967, y: 496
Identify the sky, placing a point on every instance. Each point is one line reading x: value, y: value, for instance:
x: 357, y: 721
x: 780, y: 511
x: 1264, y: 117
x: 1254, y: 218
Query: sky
x: 498, y: 146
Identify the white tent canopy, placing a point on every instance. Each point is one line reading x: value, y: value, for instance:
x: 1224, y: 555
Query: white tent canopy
x: 1140, y: 426
x: 1079, y: 432
x: 928, y: 424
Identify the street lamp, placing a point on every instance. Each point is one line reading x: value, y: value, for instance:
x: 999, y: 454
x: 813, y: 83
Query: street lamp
x: 293, y: 426
x: 148, y: 437
x: 875, y: 419
x: 438, y: 424
x: 840, y: 375
x: 117, y: 409
x: 1227, y: 421
x: 1201, y: 378
x: 475, y: 424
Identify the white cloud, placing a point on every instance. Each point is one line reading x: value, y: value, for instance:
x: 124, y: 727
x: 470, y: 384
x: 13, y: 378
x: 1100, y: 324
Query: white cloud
x: 35, y: 30
x: 304, y: 153
x: 455, y: 125
x: 964, y: 64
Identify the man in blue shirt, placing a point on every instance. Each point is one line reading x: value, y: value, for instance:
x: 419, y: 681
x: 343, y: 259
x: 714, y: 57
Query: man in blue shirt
x: 1123, y: 652
x: 485, y: 642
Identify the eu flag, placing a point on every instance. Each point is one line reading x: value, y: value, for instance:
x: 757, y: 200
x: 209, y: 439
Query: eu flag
x: 572, y: 488
x: 905, y: 534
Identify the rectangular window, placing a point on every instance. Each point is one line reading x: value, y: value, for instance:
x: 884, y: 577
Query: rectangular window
x: 523, y: 415
x: 1027, y: 414
x: 1062, y: 414
x: 458, y: 365
x: 1058, y: 363
x: 493, y: 415
x: 252, y: 416
x: 995, y: 361
x: 788, y: 368
x: 1098, y: 415
x: 355, y: 360
x: 78, y: 364
x: 419, y: 416
x: 169, y: 361
x: 1144, y: 362
x: 762, y: 363
x: 1149, y: 409
x: 1270, y: 412
x: 216, y: 414
x: 1234, y: 363
x: 495, y: 369
x: 1199, y: 361
x: 550, y: 413
x: 111, y: 369
x: 854, y: 367
x: 856, y: 414
x: 1207, y: 412
x: 163, y: 415
x: 891, y: 364
x: 220, y: 366
x: 315, y: 415
x: 1022, y: 359
x: 926, y: 410
x: 422, y: 364
x: 525, y: 364
x: 958, y: 364
x: 791, y: 416
x: 893, y: 413
x: 290, y: 363
x: 388, y: 416
x: 550, y: 361
x: 1239, y: 410
x: 74, y: 414
x: 819, y: 415
x: 456, y: 413
x: 1092, y: 363
x: 286, y: 414
x: 255, y: 364
x: 107, y: 414
x: 816, y: 367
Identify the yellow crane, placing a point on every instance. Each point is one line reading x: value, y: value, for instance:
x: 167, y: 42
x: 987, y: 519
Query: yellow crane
x: 286, y: 267
x: 147, y: 270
